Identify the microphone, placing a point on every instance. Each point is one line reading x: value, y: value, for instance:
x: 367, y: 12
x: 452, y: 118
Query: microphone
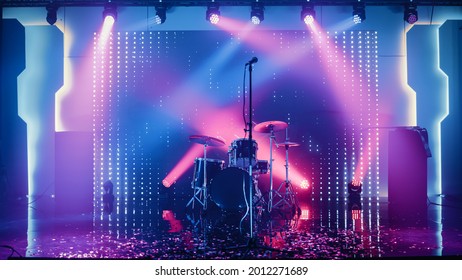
x: 252, y: 61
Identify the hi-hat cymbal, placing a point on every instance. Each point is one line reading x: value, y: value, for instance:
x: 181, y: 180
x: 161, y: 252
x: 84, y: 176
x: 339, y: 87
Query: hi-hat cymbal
x: 288, y: 144
x: 267, y: 127
x: 206, y: 140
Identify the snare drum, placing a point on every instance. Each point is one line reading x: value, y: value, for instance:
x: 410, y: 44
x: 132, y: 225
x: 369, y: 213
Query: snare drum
x: 213, y: 167
x: 240, y: 152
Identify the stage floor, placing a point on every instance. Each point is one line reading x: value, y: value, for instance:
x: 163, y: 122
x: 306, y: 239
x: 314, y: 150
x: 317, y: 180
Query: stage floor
x: 321, y: 229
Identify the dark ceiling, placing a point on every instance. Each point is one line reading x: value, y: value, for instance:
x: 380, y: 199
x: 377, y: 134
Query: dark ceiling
x: 172, y: 3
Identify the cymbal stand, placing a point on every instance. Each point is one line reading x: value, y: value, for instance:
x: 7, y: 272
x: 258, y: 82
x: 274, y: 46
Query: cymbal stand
x: 288, y: 198
x: 200, y: 193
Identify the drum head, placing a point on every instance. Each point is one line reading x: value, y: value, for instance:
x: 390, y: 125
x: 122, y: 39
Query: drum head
x: 228, y: 187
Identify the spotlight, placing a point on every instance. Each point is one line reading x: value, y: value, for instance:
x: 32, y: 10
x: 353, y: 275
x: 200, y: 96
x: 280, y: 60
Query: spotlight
x: 308, y: 14
x: 359, y: 13
x: 257, y: 14
x: 108, y: 197
x: 213, y: 13
x: 410, y: 13
x: 161, y: 15
x: 304, y: 184
x: 51, y: 13
x: 110, y: 11
x: 355, y: 187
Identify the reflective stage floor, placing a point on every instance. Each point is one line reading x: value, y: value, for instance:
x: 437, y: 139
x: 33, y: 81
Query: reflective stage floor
x: 319, y: 229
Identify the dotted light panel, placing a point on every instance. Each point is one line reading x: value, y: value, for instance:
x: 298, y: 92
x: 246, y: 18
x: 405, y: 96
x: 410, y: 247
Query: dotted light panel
x: 351, y: 63
x: 119, y: 132
x: 151, y: 90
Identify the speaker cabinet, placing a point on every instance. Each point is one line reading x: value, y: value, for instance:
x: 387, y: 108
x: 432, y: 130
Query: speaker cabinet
x: 407, y: 172
x: 74, y: 172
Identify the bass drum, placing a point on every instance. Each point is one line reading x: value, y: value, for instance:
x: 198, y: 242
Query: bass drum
x: 213, y: 167
x: 228, y: 187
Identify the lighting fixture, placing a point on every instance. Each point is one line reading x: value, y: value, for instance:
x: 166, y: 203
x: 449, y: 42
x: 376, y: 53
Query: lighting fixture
x: 308, y: 14
x: 161, y: 15
x: 410, y: 13
x: 51, y: 13
x: 257, y: 14
x: 213, y: 13
x: 110, y: 10
x: 355, y: 187
x: 359, y: 13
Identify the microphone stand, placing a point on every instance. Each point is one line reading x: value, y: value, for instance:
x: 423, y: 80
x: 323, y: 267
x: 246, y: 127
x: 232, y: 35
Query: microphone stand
x: 250, y: 151
x: 252, y: 243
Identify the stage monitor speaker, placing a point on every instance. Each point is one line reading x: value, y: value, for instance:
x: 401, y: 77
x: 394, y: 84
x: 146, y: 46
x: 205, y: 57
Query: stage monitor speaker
x: 74, y: 172
x: 407, y: 170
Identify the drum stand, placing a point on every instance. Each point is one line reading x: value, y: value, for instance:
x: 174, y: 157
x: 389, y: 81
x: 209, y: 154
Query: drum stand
x: 270, y: 127
x: 287, y: 198
x: 200, y: 193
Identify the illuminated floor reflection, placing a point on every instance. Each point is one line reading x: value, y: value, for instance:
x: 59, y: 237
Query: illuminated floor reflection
x: 322, y: 229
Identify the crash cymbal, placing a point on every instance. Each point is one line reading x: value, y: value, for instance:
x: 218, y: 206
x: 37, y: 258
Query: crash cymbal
x: 267, y: 127
x: 288, y: 144
x: 206, y: 140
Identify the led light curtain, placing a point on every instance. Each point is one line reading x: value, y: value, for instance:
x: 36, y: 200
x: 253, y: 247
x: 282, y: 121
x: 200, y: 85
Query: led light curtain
x: 152, y: 90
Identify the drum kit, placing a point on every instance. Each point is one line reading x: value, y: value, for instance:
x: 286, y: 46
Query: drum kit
x: 227, y: 187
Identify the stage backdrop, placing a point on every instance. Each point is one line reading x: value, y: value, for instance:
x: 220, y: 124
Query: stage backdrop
x: 163, y: 83
x: 152, y: 90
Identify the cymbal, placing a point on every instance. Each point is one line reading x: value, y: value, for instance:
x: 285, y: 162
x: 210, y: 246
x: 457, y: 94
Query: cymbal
x: 267, y: 127
x: 288, y: 144
x: 206, y: 140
